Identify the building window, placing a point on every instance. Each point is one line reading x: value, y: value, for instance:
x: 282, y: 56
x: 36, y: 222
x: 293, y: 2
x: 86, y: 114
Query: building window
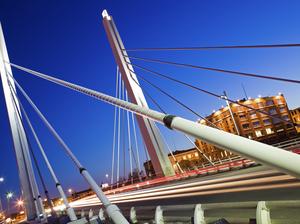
x: 246, y: 126
x: 282, y: 109
x: 242, y: 116
x: 196, y: 154
x: 273, y: 111
x: 189, y: 156
x: 269, y: 102
x: 279, y: 101
x: 184, y: 157
x: 269, y: 131
x: 267, y: 122
x: 252, y: 113
x: 260, y: 104
x: 240, y: 108
x: 276, y: 120
x: 256, y: 124
x: 285, y: 117
x: 258, y: 133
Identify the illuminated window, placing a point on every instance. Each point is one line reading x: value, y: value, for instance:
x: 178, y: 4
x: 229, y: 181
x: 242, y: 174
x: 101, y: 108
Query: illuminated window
x: 196, y: 154
x: 269, y: 131
x: 258, y: 133
x: 279, y: 101
x: 189, y: 156
x: 252, y: 113
x: 184, y: 157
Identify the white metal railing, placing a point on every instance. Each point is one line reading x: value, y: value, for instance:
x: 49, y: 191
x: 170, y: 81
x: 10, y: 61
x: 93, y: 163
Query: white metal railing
x: 264, y: 212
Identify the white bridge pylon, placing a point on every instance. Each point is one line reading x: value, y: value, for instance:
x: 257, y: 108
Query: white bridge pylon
x: 30, y: 193
x: 149, y: 131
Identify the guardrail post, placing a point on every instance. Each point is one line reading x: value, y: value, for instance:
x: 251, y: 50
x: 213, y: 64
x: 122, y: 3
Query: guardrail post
x: 199, y: 215
x: 82, y: 214
x: 101, y: 214
x: 262, y: 213
x: 133, y: 217
x: 159, y: 219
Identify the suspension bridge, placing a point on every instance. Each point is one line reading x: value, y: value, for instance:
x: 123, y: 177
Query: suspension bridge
x: 268, y: 193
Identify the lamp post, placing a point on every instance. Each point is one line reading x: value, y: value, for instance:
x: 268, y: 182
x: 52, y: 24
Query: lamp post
x: 9, y: 195
x: 1, y: 208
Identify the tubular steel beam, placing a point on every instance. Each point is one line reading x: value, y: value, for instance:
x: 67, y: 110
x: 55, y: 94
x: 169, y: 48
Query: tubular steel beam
x: 26, y: 175
x: 280, y: 159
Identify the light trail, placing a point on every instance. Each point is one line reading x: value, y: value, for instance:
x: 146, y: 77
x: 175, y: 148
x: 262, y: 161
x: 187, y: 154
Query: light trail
x: 218, y: 186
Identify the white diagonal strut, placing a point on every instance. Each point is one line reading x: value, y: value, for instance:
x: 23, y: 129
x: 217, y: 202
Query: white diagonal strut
x: 27, y: 180
x: 70, y: 211
x: 111, y: 209
x: 287, y: 162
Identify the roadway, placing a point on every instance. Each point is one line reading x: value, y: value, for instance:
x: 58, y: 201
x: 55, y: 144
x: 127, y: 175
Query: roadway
x: 250, y: 184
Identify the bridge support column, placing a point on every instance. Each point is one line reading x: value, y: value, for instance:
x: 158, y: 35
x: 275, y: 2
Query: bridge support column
x: 26, y: 175
x: 150, y: 133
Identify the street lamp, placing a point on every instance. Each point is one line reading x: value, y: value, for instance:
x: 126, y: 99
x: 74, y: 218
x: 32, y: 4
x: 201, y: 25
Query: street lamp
x: 9, y: 195
x: 70, y: 191
x: 20, y: 204
x: 1, y: 179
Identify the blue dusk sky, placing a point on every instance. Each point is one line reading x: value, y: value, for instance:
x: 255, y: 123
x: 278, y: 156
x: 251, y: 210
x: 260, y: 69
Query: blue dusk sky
x: 66, y: 39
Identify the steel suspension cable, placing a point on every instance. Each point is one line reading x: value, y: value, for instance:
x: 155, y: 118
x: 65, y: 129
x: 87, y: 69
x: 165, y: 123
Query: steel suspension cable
x: 70, y: 210
x: 136, y: 143
x: 266, y: 154
x: 119, y: 132
x: 187, y: 137
x: 129, y: 141
x: 123, y: 134
x: 114, y: 133
x: 215, y: 69
x: 111, y: 209
x: 209, y: 93
x: 176, y: 100
x: 213, y: 47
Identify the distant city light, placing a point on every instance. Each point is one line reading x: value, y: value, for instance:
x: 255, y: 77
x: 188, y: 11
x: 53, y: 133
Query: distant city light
x: 9, y: 195
x: 20, y: 202
x: 70, y: 190
x: 1, y: 179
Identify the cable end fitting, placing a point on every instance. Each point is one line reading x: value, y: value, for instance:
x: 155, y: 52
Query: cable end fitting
x: 81, y: 169
x: 168, y: 119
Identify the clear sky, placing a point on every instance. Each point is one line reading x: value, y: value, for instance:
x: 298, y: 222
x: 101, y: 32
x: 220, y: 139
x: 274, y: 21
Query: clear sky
x: 67, y: 39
